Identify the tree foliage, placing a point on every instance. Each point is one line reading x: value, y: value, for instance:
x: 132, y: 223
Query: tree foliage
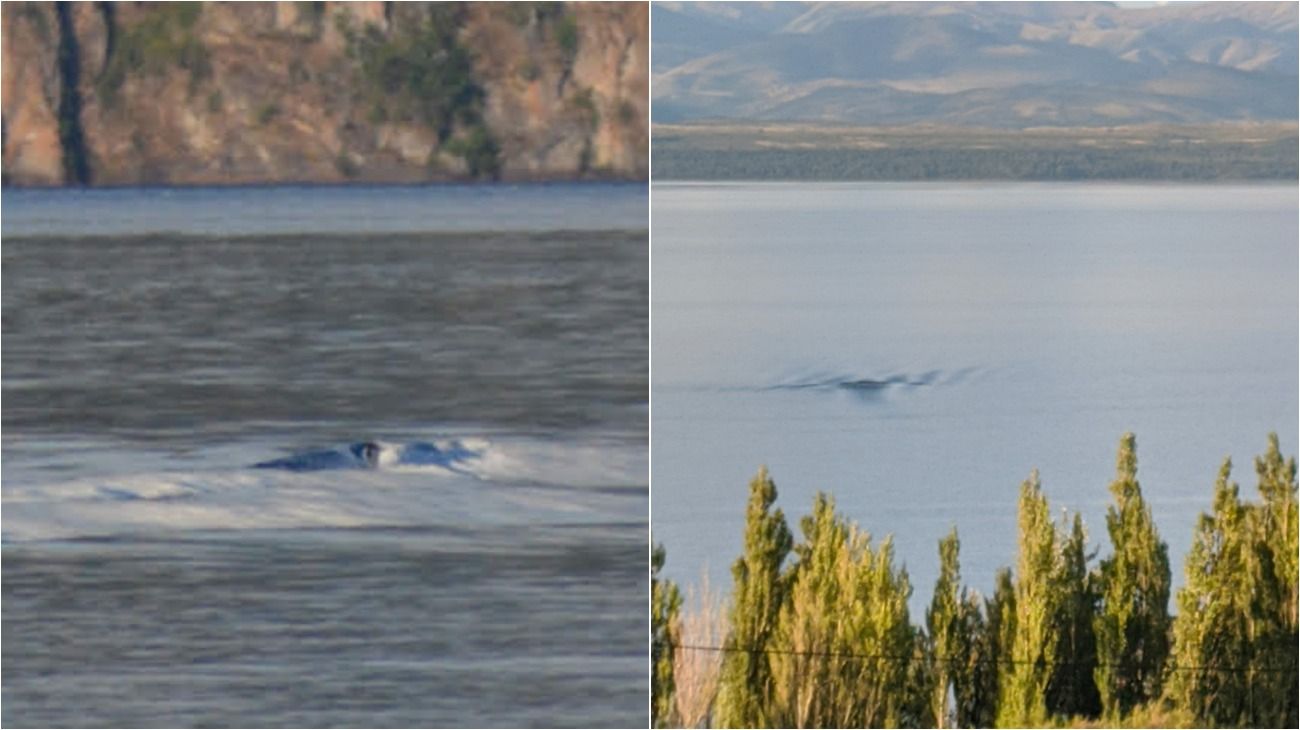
x: 844, y: 631
x: 1072, y: 689
x: 946, y: 622
x: 1235, y: 636
x: 745, y: 687
x: 826, y: 641
x: 975, y: 681
x: 665, y: 604
x: 1133, y: 622
x: 1033, y: 646
x: 1273, y: 574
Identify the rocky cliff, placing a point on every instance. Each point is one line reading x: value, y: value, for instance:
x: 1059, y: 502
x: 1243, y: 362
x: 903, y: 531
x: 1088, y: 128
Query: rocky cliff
x: 227, y: 93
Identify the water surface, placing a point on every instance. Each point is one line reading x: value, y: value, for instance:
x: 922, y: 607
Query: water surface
x: 917, y: 349
x: 158, y: 343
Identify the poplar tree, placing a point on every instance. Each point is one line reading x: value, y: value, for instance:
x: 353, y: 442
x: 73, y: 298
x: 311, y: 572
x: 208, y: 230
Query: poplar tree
x: 1001, y: 635
x: 1133, y: 622
x: 745, y: 682
x: 915, y: 710
x: 877, y: 625
x: 1072, y: 690
x: 975, y: 680
x: 1034, y: 643
x: 1273, y: 672
x: 1212, y: 634
x: 806, y: 671
x: 844, y: 641
x: 1277, y: 489
x: 665, y: 604
x: 949, y: 642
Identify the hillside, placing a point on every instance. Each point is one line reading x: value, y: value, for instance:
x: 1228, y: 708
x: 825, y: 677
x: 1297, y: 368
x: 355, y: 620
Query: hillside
x: 229, y: 93
x: 1008, y: 65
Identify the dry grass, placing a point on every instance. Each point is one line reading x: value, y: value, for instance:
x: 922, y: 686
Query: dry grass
x: 702, y: 622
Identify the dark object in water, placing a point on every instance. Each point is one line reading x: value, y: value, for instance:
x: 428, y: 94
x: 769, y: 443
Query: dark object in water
x: 367, y: 452
x: 863, y: 386
x: 868, y: 384
x: 366, y: 455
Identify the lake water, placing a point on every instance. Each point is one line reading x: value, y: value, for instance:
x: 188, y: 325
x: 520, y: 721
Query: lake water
x: 917, y: 349
x: 159, y: 343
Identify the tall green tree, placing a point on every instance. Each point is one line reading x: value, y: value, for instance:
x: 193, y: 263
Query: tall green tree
x: 1212, y: 632
x: 745, y: 684
x: 1133, y: 624
x: 975, y: 680
x: 665, y: 605
x: 1273, y: 672
x: 807, y: 671
x: 877, y: 625
x: 1277, y: 489
x: 1072, y: 689
x: 844, y: 641
x: 949, y: 642
x: 914, y: 708
x: 1036, y: 638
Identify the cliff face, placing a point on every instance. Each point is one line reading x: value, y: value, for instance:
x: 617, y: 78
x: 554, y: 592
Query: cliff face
x: 216, y: 93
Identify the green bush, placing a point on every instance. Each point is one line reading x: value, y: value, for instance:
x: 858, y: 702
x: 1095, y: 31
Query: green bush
x: 266, y: 112
x: 480, y: 152
x: 420, y: 73
x: 566, y: 37
x: 346, y: 167
x: 163, y: 40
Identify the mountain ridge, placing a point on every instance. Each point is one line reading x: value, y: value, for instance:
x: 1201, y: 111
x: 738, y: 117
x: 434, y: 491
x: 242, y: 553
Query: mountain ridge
x: 982, y: 64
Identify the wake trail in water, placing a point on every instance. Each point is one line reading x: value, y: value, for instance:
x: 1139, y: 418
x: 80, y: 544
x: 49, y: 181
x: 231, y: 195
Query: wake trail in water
x: 862, y: 384
x: 451, y: 455
x: 450, y: 483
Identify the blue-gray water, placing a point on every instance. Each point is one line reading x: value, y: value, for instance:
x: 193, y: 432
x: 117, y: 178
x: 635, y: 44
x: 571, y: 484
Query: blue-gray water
x: 157, y: 343
x: 916, y: 350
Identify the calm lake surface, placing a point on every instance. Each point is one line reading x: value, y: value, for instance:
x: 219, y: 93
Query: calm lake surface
x: 917, y: 349
x: 159, y: 343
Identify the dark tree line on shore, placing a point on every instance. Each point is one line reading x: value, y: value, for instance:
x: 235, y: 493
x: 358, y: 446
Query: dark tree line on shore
x: 1218, y: 161
x: 818, y: 632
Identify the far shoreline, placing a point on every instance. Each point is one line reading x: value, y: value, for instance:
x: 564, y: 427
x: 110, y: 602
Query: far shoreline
x: 792, y: 151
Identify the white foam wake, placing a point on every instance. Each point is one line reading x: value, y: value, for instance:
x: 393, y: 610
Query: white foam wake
x: 510, y: 482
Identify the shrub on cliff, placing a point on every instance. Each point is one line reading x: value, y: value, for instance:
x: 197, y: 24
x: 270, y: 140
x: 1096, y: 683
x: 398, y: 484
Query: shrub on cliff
x: 419, y: 72
x: 164, y: 39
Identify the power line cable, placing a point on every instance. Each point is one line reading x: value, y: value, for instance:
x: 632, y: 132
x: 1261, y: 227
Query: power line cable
x: 961, y: 660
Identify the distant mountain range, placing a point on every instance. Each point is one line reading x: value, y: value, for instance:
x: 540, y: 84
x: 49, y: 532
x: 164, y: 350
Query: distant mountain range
x: 1008, y: 65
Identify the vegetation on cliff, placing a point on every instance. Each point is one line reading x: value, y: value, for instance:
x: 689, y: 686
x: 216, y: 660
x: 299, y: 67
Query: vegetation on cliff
x: 825, y: 640
x: 184, y: 93
x: 163, y: 41
x: 421, y: 73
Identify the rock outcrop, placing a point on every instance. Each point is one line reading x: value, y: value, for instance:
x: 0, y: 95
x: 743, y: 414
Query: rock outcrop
x: 231, y: 93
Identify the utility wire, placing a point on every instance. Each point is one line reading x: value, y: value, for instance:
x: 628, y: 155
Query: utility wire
x: 960, y: 660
